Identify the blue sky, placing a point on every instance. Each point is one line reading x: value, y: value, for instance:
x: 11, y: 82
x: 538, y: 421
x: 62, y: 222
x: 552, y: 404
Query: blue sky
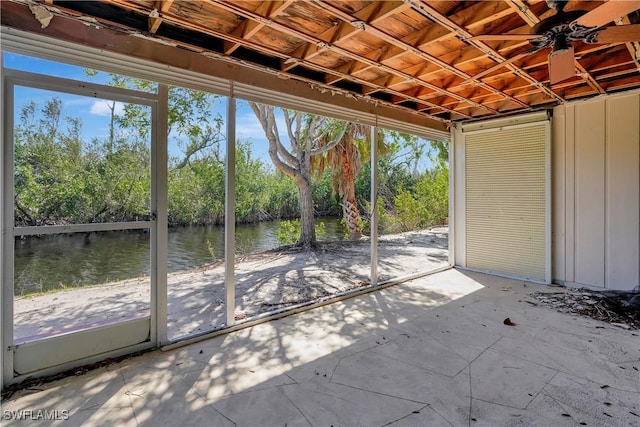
x: 95, y: 112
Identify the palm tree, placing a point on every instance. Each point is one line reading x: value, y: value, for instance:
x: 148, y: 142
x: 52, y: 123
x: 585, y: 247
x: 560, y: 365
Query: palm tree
x: 345, y: 160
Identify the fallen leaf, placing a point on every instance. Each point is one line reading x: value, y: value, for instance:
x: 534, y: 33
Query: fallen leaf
x: 508, y: 322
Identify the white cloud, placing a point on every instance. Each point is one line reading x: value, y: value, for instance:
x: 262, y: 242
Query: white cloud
x: 248, y: 127
x: 103, y: 108
x: 78, y: 102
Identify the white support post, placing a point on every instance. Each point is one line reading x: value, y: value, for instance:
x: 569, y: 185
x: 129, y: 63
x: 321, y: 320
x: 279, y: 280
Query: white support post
x: 159, y: 189
x: 451, y: 220
x: 6, y: 261
x: 2, y: 227
x: 230, y: 213
x: 373, y: 224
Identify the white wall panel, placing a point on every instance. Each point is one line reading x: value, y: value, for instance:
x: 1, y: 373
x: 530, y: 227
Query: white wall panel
x: 590, y: 194
x: 570, y: 195
x: 558, y: 202
x: 596, y: 183
x: 623, y: 198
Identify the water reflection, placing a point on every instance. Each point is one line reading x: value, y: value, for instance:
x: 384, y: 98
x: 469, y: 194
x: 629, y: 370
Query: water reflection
x: 59, y: 261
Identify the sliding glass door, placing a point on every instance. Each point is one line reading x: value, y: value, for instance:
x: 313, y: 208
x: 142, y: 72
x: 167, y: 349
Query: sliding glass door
x: 79, y: 261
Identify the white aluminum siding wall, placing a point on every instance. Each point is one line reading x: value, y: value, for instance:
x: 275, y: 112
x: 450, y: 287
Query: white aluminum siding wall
x: 596, y: 187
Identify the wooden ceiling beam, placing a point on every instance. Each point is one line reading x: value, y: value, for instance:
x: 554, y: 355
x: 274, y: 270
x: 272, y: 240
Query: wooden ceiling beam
x: 448, y: 82
x: 284, y: 57
x: 161, y: 7
x: 247, y: 30
x: 590, y: 59
x: 602, y: 62
x: 314, y: 40
x: 407, y: 48
x: 303, y: 53
x: 629, y: 82
x: 379, y: 10
x: 522, y: 9
x: 401, y: 47
x: 425, y: 9
x: 183, y: 23
x: 68, y: 25
x: 586, y: 75
x: 391, y: 52
x: 617, y: 73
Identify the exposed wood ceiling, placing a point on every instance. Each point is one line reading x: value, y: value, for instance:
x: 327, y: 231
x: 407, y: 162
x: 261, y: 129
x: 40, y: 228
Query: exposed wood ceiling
x: 413, y: 54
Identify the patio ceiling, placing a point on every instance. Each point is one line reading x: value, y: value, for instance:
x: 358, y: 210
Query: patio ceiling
x: 415, y: 55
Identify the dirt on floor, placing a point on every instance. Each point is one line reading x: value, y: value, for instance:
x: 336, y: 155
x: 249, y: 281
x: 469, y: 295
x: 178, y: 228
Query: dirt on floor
x: 264, y: 282
x: 619, y: 308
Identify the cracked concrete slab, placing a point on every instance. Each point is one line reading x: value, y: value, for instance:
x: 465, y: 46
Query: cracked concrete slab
x: 432, y: 351
x: 328, y: 403
x: 514, y: 382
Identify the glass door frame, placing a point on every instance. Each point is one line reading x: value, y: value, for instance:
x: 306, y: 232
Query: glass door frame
x: 55, y: 353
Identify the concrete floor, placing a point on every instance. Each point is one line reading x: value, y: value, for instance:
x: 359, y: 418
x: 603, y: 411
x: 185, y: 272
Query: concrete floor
x: 433, y: 351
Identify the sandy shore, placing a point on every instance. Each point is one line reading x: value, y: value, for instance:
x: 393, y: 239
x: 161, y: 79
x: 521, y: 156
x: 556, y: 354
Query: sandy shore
x: 265, y: 282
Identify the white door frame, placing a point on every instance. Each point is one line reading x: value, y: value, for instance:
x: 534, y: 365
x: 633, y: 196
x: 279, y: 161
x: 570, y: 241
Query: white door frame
x: 78, y: 348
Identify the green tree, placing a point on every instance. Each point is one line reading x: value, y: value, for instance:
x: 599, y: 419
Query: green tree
x: 59, y: 178
x: 305, y: 140
x: 191, y: 119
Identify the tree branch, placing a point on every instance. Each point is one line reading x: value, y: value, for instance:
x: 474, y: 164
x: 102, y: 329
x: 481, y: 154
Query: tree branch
x: 24, y: 212
x: 208, y: 140
x: 287, y: 157
x: 292, y: 137
x: 262, y: 114
x: 323, y: 149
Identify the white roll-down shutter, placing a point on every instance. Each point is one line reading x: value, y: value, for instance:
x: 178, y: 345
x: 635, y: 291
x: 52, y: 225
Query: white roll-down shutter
x: 507, y: 201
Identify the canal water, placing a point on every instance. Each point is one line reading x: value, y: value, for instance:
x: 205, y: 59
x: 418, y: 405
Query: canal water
x: 69, y: 260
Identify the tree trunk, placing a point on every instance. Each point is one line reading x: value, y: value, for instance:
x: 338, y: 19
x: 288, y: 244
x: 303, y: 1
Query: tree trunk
x: 307, y: 225
x: 350, y: 211
x: 351, y: 217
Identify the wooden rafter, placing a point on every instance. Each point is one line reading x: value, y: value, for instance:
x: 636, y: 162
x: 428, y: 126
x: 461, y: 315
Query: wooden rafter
x: 307, y: 38
x: 522, y: 8
x: 161, y: 7
x: 431, y: 13
x: 366, y: 25
x: 248, y: 28
x: 229, y: 37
